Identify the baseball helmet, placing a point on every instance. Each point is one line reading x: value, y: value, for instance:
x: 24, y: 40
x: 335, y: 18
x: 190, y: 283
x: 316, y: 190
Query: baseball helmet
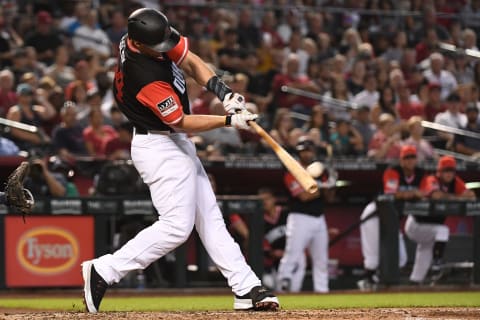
x: 151, y: 28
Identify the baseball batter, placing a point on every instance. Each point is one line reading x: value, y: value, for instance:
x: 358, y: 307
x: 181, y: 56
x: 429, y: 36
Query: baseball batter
x: 430, y: 234
x: 150, y: 90
x: 306, y: 229
x: 403, y: 181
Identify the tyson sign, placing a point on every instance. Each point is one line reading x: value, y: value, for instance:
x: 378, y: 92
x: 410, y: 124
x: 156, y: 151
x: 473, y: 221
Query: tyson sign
x: 47, y: 250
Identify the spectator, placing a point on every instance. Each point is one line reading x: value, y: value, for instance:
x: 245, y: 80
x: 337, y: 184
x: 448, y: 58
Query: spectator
x: 386, y: 104
x: 385, y: 143
x: 117, y: 29
x: 434, y: 104
x: 437, y: 74
x: 83, y: 73
x: 44, y: 183
x: 429, y: 232
x: 424, y: 148
x: 369, y: 96
x: 60, y: 71
x: 67, y: 137
x: 463, y: 71
x: 318, y: 131
x: 468, y: 145
x: 19, y: 64
x: 452, y: 117
x: 295, y: 47
x: 355, y: 83
x: 8, y: 97
x: 282, y: 125
x: 399, y: 44
x: 291, y: 77
x: 88, y: 35
x: 249, y: 35
x: 364, y: 126
x: 44, y: 39
x: 97, y: 134
x: 346, y: 140
x: 230, y: 54
x: 28, y: 113
x: 407, y: 108
x: 118, y: 148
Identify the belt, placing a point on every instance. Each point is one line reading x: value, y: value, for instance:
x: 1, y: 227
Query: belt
x: 140, y: 130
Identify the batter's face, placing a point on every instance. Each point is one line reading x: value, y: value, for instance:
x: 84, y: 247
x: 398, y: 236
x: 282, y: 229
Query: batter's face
x: 146, y: 50
x: 306, y: 156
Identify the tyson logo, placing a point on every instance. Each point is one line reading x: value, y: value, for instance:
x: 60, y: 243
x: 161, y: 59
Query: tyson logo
x: 47, y: 250
x: 167, y: 106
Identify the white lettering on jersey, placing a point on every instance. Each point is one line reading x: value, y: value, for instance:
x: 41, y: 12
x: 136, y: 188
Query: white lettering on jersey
x: 167, y: 106
x: 121, y: 49
x: 178, y: 80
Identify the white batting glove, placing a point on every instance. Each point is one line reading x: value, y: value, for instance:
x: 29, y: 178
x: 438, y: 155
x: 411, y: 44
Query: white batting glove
x: 240, y: 120
x: 233, y: 103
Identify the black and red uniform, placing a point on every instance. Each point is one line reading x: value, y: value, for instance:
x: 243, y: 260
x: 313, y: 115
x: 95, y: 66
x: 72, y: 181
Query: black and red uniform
x: 394, y: 180
x: 148, y: 88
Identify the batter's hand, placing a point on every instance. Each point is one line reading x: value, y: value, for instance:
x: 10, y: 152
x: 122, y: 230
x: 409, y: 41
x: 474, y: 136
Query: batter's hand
x: 234, y: 103
x: 240, y: 120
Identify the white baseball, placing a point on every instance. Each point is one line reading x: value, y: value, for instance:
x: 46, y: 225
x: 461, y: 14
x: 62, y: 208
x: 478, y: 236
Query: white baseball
x: 315, y: 169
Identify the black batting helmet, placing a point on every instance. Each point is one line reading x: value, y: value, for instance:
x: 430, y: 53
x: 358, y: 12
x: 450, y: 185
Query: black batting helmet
x: 151, y: 28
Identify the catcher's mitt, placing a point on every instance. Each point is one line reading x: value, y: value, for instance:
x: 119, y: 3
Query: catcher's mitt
x: 16, y: 196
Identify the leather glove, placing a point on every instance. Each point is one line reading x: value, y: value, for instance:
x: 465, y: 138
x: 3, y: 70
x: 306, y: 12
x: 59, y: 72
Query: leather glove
x: 234, y: 103
x: 240, y: 120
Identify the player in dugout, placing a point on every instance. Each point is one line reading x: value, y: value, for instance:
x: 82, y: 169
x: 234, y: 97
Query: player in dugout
x: 430, y: 233
x: 403, y: 181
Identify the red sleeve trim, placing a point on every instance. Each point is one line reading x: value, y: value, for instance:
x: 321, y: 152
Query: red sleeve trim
x: 160, y: 97
x: 292, y: 184
x: 178, y: 53
x: 391, y: 181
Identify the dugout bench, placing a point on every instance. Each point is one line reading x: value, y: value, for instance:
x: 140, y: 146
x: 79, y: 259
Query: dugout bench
x: 389, y: 211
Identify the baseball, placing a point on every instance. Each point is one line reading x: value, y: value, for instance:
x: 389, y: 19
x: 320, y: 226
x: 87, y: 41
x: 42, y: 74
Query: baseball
x: 315, y: 169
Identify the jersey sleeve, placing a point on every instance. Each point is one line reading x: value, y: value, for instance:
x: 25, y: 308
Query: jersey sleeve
x: 179, y: 52
x: 391, y: 181
x: 160, y: 97
x: 292, y: 185
x: 429, y: 185
x: 460, y: 186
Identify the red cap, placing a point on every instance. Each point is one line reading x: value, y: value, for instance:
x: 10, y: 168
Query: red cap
x: 408, y: 150
x: 446, y: 162
x: 44, y: 17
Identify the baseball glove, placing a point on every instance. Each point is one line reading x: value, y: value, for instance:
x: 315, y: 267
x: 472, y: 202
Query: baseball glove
x: 16, y: 196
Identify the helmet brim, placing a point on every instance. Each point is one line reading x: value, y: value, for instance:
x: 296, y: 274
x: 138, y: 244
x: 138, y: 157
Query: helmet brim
x: 167, y: 44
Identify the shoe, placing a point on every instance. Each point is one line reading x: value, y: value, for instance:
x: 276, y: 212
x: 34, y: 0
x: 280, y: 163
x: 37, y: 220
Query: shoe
x: 94, y: 287
x: 259, y: 299
x: 368, y: 284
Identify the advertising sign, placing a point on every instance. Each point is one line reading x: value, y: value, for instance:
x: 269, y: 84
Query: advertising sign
x: 47, y: 251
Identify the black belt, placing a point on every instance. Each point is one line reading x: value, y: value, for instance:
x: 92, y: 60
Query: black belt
x: 140, y: 130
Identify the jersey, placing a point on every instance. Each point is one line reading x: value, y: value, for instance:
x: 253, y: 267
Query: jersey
x: 313, y: 207
x: 147, y: 89
x: 456, y: 186
x: 394, y: 180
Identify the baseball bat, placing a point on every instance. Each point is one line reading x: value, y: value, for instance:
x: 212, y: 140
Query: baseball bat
x: 292, y: 165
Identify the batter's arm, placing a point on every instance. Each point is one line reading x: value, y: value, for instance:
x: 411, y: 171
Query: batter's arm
x: 195, y: 67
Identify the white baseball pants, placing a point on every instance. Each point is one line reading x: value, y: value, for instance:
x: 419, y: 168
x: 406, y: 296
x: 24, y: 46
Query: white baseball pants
x: 305, y: 231
x: 370, y: 240
x: 183, y: 197
x: 425, y: 235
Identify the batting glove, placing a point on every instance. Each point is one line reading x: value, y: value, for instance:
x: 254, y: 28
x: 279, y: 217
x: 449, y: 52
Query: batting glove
x: 233, y: 103
x: 240, y: 120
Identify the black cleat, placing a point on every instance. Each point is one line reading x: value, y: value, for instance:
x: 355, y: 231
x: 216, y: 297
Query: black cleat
x: 94, y: 287
x: 259, y: 299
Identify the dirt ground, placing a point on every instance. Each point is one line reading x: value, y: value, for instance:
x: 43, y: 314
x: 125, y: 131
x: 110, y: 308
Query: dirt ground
x: 380, y: 313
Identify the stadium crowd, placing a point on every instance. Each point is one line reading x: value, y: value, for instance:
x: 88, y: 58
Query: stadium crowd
x: 378, y: 67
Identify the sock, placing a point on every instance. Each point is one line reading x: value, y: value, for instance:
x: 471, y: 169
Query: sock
x: 438, y: 250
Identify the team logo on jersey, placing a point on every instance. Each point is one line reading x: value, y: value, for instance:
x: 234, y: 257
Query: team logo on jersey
x: 167, y: 106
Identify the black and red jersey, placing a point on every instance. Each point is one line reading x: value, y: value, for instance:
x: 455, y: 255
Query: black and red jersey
x: 394, y: 180
x: 149, y: 89
x: 313, y: 207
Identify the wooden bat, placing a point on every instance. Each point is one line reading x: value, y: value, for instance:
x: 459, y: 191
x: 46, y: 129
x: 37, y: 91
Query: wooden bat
x: 292, y: 165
